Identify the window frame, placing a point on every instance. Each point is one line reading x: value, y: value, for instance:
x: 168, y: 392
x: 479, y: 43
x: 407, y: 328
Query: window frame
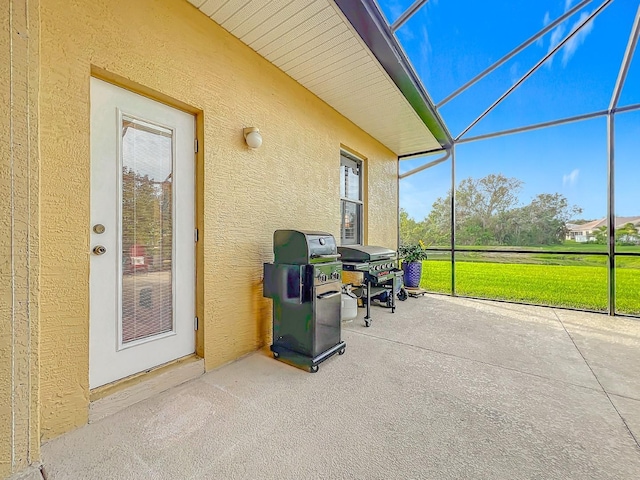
x: 359, y: 202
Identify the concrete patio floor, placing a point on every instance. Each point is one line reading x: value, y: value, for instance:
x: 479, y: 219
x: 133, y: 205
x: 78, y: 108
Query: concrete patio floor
x: 445, y: 388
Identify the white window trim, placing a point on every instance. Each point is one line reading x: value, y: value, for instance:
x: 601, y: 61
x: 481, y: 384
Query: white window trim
x: 360, y: 201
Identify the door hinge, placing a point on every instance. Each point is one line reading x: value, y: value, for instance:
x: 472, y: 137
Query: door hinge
x: 196, y: 235
x: 195, y: 145
x: 195, y: 323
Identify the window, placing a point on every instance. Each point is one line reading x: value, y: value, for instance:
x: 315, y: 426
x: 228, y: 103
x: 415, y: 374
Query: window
x: 350, y: 200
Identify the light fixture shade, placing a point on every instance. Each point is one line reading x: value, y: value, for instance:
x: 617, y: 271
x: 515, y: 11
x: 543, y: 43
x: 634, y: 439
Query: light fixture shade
x: 252, y: 137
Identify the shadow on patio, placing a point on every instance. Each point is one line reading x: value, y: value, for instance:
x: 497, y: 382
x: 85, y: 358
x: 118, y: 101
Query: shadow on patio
x: 444, y: 388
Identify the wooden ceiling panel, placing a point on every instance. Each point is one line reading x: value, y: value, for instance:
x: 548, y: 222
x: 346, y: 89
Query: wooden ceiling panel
x: 314, y: 43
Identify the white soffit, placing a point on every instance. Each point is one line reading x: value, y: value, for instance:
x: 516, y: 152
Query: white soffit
x: 312, y: 42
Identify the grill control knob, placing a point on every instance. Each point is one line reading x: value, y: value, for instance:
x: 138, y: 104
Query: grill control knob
x: 335, y: 276
x: 323, y: 277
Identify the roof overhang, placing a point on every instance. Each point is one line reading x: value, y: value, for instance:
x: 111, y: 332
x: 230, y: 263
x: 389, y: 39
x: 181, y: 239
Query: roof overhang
x: 344, y: 52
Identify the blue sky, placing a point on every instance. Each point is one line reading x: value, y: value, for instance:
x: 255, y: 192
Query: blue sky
x: 450, y: 41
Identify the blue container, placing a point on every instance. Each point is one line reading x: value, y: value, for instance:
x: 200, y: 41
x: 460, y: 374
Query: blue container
x: 412, y: 274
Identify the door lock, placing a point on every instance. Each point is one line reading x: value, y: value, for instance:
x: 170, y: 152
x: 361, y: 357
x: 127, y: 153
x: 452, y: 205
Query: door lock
x: 99, y: 250
x: 98, y: 228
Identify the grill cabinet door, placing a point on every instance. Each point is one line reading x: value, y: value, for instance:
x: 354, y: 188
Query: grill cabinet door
x: 327, y: 305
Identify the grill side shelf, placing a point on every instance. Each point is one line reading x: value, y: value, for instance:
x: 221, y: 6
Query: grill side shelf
x: 355, y: 266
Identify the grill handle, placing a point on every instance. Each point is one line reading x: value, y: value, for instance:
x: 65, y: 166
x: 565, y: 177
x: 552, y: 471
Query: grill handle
x: 324, y: 296
x: 335, y: 256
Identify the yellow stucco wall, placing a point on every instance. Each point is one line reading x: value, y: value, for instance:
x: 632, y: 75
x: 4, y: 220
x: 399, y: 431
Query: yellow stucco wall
x: 292, y: 181
x: 19, y: 415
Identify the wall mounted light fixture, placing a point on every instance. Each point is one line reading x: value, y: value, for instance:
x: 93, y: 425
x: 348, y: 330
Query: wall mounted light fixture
x: 252, y: 137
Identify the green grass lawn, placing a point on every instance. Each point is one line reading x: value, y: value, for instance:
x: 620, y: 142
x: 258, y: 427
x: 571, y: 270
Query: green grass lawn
x: 565, y: 282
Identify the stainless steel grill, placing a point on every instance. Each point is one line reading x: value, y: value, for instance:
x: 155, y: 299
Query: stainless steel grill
x: 304, y: 283
x: 381, y: 273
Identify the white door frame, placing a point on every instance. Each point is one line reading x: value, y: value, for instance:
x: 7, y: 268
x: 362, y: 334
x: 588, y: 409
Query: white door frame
x: 110, y: 358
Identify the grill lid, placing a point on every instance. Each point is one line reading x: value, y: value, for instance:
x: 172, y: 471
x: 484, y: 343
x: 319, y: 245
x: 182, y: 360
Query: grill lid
x: 299, y: 247
x: 367, y: 253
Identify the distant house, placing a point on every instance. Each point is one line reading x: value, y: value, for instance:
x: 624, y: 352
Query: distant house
x: 586, y: 232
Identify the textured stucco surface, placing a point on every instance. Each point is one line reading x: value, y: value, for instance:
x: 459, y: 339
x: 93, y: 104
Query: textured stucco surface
x: 19, y: 416
x: 292, y: 181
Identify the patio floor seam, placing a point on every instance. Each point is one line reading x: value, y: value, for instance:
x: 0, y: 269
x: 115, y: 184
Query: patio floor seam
x: 460, y: 357
x: 599, y: 383
x: 626, y: 397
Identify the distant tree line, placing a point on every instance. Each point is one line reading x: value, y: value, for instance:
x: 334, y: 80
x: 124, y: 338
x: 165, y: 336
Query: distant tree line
x: 146, y: 213
x: 488, y: 212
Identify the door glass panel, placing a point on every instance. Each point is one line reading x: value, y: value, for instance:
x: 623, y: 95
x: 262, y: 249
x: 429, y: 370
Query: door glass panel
x: 147, y: 230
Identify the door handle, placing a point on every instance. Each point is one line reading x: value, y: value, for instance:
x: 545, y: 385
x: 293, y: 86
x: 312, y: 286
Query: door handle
x: 99, y: 250
x: 324, y: 296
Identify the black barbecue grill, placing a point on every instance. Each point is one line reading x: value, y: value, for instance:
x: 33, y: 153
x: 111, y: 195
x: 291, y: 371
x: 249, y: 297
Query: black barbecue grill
x: 304, y: 282
x: 381, y: 273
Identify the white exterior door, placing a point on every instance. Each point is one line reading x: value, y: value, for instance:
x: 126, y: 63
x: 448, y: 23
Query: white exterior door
x: 142, y: 281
